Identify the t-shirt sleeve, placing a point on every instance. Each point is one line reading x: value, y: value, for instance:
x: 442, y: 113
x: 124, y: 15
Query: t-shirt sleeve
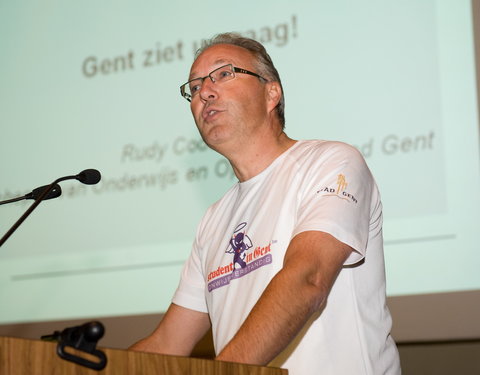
x: 336, y: 197
x: 190, y: 292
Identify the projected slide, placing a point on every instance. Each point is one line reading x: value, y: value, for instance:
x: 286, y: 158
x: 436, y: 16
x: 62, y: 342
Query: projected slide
x: 88, y: 85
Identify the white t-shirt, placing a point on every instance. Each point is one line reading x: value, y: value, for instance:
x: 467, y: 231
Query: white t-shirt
x: 242, y: 239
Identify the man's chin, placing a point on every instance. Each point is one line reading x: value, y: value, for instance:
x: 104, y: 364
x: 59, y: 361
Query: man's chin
x: 212, y: 133
x: 216, y: 141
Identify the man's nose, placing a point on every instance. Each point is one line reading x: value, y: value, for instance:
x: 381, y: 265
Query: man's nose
x: 208, y: 90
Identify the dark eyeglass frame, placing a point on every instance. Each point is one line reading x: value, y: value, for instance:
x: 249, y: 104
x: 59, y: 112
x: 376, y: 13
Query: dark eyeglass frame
x: 234, y: 69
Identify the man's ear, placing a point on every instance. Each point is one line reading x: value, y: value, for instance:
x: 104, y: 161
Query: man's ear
x: 274, y: 94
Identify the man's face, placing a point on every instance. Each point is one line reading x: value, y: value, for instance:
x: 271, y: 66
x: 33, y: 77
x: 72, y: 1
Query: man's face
x: 229, y: 113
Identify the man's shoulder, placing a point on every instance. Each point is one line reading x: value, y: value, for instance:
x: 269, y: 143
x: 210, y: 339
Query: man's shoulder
x: 318, y: 148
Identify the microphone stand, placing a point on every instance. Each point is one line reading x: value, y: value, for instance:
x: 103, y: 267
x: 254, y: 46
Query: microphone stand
x: 32, y: 207
x: 12, y: 200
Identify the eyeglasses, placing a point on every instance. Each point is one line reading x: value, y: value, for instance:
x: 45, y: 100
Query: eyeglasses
x: 223, y: 74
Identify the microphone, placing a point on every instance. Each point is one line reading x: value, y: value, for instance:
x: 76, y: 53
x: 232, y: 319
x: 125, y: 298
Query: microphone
x: 91, y: 331
x: 84, y: 339
x: 35, y: 193
x: 88, y: 177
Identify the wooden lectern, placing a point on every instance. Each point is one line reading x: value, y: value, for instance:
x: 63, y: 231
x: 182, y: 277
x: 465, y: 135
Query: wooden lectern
x: 35, y: 357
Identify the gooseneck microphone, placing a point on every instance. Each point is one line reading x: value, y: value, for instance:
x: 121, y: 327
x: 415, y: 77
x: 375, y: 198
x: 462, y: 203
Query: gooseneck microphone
x: 88, y: 177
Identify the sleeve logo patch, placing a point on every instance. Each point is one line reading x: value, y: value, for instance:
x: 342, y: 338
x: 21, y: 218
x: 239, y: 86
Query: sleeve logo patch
x: 339, y: 191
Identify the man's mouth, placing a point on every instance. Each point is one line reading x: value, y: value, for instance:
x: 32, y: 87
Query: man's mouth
x: 209, y: 113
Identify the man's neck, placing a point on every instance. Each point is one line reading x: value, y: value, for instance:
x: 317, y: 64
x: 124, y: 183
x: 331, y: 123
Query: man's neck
x: 258, y: 155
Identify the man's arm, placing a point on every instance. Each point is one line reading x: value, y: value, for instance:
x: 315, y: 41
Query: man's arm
x: 178, y: 332
x: 312, y: 263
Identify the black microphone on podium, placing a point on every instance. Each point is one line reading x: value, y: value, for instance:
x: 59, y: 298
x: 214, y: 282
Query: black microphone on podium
x: 88, y: 177
x: 84, y: 339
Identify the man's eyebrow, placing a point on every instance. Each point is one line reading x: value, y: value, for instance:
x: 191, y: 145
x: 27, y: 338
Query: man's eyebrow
x: 194, y: 75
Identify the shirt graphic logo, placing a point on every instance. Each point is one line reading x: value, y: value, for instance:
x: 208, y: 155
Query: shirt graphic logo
x: 243, y: 262
x: 238, y: 244
x: 340, y: 190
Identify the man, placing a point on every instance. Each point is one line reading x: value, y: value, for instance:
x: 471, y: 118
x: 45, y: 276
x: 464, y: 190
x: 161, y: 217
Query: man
x: 287, y: 268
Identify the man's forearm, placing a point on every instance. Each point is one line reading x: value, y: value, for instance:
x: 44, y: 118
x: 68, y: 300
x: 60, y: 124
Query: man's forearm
x: 177, y: 333
x: 278, y: 316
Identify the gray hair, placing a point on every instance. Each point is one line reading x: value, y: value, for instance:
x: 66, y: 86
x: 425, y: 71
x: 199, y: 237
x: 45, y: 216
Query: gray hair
x: 263, y: 63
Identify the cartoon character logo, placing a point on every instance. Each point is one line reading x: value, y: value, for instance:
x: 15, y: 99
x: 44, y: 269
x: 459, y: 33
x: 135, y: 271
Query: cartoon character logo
x: 238, y: 244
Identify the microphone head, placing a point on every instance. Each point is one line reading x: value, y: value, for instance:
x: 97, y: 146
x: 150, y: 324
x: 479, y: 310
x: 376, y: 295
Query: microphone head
x: 93, y: 331
x: 89, y: 176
